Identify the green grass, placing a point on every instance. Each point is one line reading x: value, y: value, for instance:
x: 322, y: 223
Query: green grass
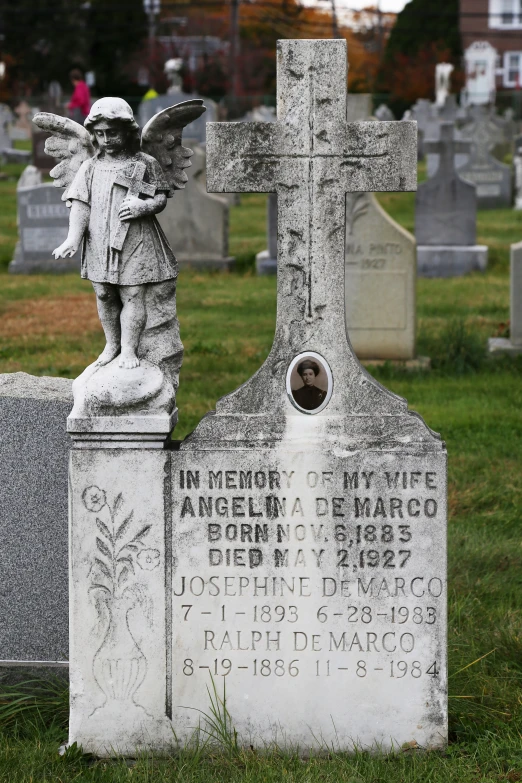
x: 227, y: 323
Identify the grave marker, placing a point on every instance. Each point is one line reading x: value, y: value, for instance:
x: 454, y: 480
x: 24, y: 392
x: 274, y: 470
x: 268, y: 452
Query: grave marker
x: 446, y: 216
x: 196, y: 223
x: 34, y: 450
x: 493, y: 179
x: 380, y: 277
x: 512, y: 345
x: 297, y: 551
x: 43, y: 220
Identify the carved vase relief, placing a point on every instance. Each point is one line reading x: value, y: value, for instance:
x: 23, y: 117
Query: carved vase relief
x: 118, y: 589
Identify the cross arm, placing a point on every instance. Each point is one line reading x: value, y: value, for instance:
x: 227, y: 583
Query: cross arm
x: 378, y: 156
x: 243, y: 157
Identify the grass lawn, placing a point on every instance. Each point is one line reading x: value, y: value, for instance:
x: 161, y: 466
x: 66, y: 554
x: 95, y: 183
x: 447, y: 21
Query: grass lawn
x: 48, y: 325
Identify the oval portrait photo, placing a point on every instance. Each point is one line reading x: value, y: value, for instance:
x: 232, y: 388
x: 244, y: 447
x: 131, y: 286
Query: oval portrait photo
x: 309, y: 382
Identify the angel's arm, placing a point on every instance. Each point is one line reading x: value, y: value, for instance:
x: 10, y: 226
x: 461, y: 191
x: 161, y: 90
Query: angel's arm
x: 133, y: 207
x: 78, y: 222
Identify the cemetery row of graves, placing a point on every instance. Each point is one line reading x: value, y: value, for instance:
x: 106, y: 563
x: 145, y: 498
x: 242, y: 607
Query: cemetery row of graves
x: 427, y: 338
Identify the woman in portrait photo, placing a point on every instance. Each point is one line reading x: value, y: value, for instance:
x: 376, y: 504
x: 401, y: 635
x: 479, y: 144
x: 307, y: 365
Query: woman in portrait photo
x: 309, y: 396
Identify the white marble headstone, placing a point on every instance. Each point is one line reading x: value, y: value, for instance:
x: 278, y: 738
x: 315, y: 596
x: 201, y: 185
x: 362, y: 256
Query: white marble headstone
x: 292, y: 549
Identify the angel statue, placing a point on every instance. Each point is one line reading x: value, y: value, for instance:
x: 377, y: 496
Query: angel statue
x: 115, y: 182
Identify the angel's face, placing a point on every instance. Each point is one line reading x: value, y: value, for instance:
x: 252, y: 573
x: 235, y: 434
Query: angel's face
x: 111, y: 136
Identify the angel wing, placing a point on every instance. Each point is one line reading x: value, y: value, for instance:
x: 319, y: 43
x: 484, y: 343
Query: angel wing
x: 161, y: 138
x: 70, y: 143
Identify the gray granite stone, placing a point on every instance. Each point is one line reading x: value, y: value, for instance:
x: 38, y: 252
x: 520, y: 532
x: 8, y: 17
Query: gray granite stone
x: 384, y: 113
x: 446, y: 211
x: 196, y: 223
x: 196, y: 130
x: 34, y: 450
x: 450, y: 260
x: 43, y: 222
x: 493, y: 179
x: 266, y: 260
x: 512, y: 345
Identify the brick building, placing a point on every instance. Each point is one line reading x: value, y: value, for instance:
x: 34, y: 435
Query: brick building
x: 492, y: 41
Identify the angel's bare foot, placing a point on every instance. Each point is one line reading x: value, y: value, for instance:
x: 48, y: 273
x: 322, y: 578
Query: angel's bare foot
x: 109, y: 353
x: 129, y: 360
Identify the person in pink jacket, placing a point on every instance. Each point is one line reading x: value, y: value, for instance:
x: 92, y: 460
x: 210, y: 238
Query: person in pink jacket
x: 80, y: 104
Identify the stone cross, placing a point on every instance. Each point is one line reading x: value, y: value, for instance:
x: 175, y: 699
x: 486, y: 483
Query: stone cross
x: 311, y: 157
x: 447, y: 147
x: 135, y: 187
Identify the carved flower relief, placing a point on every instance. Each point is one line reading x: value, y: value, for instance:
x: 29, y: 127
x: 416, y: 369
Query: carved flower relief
x: 148, y: 559
x: 94, y: 498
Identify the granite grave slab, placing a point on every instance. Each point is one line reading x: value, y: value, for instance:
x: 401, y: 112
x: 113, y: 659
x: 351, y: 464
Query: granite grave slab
x: 197, y: 225
x: 43, y: 220
x: 492, y: 178
x: 34, y: 450
x: 446, y: 217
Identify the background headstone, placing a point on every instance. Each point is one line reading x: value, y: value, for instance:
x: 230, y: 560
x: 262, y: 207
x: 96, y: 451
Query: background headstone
x: 34, y: 451
x: 196, y: 222
x: 266, y: 260
x: 384, y: 113
x: 513, y: 344
x: 195, y: 131
x: 492, y: 178
x: 43, y: 224
x: 446, y: 218
x: 358, y: 106
x: 6, y: 120
x: 380, y: 276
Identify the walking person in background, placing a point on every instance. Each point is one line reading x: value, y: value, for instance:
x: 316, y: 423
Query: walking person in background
x: 80, y: 104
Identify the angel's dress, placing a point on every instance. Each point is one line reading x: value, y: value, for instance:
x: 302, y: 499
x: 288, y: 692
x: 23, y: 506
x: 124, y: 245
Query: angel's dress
x: 146, y: 256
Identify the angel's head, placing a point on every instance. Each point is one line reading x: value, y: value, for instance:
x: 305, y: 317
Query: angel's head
x: 112, y: 127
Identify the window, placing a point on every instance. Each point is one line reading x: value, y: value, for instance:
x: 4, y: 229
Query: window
x: 505, y: 13
x: 513, y: 69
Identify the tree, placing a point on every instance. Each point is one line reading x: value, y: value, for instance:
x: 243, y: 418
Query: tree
x: 426, y: 32
x: 44, y: 39
x: 423, y: 23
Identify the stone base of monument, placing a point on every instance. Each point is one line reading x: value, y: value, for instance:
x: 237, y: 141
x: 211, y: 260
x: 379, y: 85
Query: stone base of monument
x: 450, y: 261
x: 120, y: 556
x: 225, y: 264
x: 498, y: 346
x: 127, y: 408
x: 265, y: 263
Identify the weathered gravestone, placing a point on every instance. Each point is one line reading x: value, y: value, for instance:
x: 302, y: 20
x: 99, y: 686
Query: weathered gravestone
x: 34, y: 451
x: 197, y: 225
x: 43, y: 220
x: 294, y: 544
x: 446, y: 217
x: 513, y: 344
x: 380, y: 277
x: 492, y: 178
x: 196, y: 131
x: 6, y: 120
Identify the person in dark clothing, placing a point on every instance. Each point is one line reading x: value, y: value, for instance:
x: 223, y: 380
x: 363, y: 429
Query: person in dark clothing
x: 309, y: 396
